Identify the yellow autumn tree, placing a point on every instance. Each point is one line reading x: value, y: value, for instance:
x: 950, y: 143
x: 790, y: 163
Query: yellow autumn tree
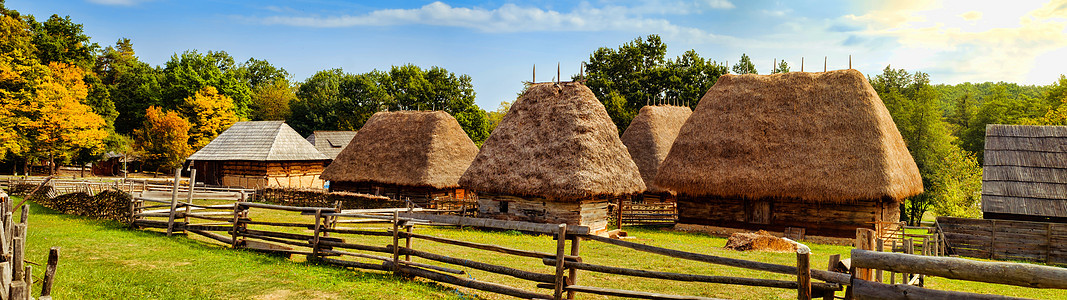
x: 18, y: 71
x: 209, y: 114
x: 59, y: 122
x: 163, y: 140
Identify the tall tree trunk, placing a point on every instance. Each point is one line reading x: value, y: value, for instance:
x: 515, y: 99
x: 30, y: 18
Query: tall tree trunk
x: 83, y: 171
x: 51, y: 165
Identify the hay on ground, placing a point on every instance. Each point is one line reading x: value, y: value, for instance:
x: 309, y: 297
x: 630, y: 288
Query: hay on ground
x: 759, y: 241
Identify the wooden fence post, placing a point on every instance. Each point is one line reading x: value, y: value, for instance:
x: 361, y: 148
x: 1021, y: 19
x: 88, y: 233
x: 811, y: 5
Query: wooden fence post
x: 318, y: 230
x: 573, y: 276
x: 173, y: 201
x: 909, y: 248
x: 192, y: 183
x: 236, y: 221
x: 803, y: 272
x: 830, y: 266
x: 396, y: 241
x: 879, y: 246
x: 50, y: 271
x: 561, y: 245
x: 407, y: 240
x: 863, y: 241
x: 28, y: 279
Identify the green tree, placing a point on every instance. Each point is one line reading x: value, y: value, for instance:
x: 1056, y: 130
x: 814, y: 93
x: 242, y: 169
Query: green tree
x: 132, y: 85
x: 951, y: 177
x: 1000, y: 107
x: 334, y: 100
x: 191, y: 71
x: 782, y: 67
x: 637, y: 74
x: 61, y: 40
x: 745, y: 66
x: 497, y: 115
x: 271, y: 100
x: 411, y: 88
x: 258, y: 72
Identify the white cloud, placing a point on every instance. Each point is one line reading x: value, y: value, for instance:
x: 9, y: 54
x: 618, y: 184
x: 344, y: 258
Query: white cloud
x: 119, y: 2
x: 969, y: 42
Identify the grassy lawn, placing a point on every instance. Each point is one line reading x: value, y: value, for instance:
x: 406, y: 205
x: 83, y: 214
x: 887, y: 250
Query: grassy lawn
x: 106, y: 260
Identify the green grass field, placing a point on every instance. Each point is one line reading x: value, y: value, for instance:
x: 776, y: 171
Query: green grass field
x: 103, y: 259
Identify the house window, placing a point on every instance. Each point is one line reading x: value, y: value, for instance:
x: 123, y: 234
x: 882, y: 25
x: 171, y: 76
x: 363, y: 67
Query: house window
x: 503, y: 206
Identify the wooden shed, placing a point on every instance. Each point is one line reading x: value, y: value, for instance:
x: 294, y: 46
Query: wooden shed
x: 1024, y: 176
x: 416, y: 155
x: 816, y: 152
x: 648, y: 139
x: 258, y: 154
x: 330, y: 143
x: 556, y: 157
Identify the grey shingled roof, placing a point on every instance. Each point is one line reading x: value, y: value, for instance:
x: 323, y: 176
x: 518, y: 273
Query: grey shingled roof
x: 259, y: 141
x: 1025, y: 170
x: 330, y: 143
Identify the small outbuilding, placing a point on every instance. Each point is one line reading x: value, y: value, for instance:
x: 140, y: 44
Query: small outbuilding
x: 258, y: 154
x: 1024, y: 176
x: 556, y: 157
x: 649, y: 138
x: 816, y: 152
x: 405, y: 155
x: 330, y: 143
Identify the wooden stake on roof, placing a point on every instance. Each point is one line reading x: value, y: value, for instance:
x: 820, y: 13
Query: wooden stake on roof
x: 802, y: 64
x: 581, y: 72
x: 558, y: 79
x: 850, y: 61
x: 534, y: 79
x: 774, y: 66
x: 824, y: 63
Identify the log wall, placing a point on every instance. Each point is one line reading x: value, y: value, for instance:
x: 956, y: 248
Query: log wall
x: 592, y: 212
x: 1006, y: 240
x: 261, y: 174
x: 422, y: 196
x: 778, y: 214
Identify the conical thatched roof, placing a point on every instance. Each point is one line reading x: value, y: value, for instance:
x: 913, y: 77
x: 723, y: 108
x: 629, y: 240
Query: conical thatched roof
x: 556, y: 142
x: 649, y: 138
x: 821, y: 137
x: 410, y: 148
x: 258, y: 141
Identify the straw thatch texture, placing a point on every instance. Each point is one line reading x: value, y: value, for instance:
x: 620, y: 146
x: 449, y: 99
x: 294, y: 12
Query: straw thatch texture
x: 409, y: 148
x: 819, y: 137
x: 330, y: 143
x: 556, y: 142
x: 258, y: 141
x: 1025, y: 171
x: 649, y: 138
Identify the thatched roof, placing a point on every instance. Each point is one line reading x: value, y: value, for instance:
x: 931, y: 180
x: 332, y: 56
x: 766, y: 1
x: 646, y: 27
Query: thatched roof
x: 649, y: 138
x: 1025, y: 170
x: 330, y: 143
x: 556, y: 142
x: 820, y: 137
x: 258, y: 141
x: 410, y: 148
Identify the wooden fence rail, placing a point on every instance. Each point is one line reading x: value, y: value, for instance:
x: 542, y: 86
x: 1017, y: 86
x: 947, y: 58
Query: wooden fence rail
x: 1006, y: 240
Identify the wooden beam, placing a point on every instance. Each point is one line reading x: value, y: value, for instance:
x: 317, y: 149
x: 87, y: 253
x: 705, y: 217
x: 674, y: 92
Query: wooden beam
x: 471, y: 283
x: 869, y: 290
x: 1018, y: 274
x: 494, y: 248
x: 527, y: 275
x: 632, y: 294
x: 784, y: 284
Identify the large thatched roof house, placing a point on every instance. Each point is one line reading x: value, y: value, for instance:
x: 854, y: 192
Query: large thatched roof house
x: 330, y: 143
x: 1024, y: 174
x: 556, y: 157
x: 259, y: 154
x: 416, y: 155
x: 649, y: 138
x: 812, y: 151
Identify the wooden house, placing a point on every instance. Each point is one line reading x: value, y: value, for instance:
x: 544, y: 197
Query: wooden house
x: 556, y: 157
x: 816, y: 152
x: 405, y: 155
x: 648, y: 139
x: 330, y: 143
x: 258, y: 154
x: 1024, y: 176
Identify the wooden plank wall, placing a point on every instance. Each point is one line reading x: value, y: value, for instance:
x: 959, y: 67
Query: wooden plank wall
x: 1006, y: 240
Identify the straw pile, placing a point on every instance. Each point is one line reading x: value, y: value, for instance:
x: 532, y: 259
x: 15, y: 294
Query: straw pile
x: 820, y: 137
x: 556, y: 142
x: 409, y: 148
x: 650, y: 136
x: 760, y: 241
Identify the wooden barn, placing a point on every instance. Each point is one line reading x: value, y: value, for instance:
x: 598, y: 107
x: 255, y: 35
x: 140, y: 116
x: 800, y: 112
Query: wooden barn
x: 330, y: 143
x: 416, y: 155
x: 648, y: 139
x: 259, y: 154
x: 1024, y: 176
x: 796, y: 152
x: 556, y: 157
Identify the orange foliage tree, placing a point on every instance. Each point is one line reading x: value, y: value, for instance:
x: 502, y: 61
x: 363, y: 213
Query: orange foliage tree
x: 209, y: 114
x: 163, y: 140
x: 59, y: 124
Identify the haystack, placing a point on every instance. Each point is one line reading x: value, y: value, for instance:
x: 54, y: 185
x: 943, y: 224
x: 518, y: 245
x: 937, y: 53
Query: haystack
x: 556, y: 157
x: 814, y: 151
x: 258, y: 154
x: 649, y: 138
x: 759, y: 241
x: 416, y: 155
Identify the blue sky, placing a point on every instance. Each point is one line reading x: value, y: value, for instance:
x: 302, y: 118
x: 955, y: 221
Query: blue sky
x: 497, y: 42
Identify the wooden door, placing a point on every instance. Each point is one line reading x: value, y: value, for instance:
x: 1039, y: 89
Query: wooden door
x: 758, y: 211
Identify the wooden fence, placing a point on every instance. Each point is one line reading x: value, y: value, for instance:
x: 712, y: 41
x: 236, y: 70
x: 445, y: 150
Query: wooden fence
x: 648, y: 212
x: 1006, y: 240
x: 391, y: 246
x: 16, y: 276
